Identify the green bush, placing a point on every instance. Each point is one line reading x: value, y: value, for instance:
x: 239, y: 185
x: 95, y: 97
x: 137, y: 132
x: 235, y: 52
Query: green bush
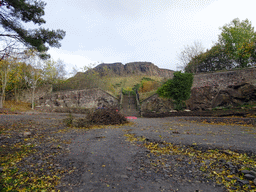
x: 178, y: 88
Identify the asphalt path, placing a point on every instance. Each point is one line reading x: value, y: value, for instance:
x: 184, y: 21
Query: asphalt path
x: 106, y: 161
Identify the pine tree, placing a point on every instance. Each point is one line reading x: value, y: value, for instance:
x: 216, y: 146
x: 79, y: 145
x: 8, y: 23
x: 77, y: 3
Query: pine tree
x: 14, y: 13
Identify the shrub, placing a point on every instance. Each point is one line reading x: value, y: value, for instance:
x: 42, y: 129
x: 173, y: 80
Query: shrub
x: 69, y: 120
x: 178, y: 88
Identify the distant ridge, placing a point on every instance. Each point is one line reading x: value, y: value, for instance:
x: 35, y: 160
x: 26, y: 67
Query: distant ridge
x: 130, y: 69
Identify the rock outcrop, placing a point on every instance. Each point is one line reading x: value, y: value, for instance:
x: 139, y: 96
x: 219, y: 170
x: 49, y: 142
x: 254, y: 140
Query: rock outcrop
x: 133, y: 68
x: 208, y: 97
x: 201, y: 98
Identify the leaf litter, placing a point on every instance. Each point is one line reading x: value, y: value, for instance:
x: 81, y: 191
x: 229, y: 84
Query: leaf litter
x: 221, y: 166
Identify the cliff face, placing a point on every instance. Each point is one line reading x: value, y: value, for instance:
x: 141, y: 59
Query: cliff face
x: 134, y: 68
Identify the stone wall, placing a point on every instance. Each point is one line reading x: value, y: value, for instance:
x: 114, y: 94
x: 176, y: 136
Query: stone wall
x: 223, y: 79
x: 26, y: 95
x: 156, y: 104
x: 222, y: 89
x: 87, y: 98
x: 210, y: 90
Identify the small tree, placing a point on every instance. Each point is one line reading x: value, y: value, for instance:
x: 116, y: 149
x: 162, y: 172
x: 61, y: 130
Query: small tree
x: 178, y: 88
x: 34, y: 74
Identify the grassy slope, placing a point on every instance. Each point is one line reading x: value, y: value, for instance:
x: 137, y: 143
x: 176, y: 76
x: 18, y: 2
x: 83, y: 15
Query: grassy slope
x: 113, y: 85
x: 125, y: 82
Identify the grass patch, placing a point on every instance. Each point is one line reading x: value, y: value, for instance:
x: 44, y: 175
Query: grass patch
x: 17, y: 106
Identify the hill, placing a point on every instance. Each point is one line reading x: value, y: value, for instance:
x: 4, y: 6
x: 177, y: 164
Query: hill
x: 131, y: 69
x: 113, y: 77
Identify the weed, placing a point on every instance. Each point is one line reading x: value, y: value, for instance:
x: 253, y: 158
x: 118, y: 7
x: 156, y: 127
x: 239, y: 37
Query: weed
x: 69, y: 120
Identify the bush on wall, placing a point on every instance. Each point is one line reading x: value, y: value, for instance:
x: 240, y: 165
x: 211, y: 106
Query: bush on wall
x: 178, y: 88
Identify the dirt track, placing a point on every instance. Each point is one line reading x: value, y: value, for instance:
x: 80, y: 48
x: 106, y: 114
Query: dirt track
x: 105, y: 161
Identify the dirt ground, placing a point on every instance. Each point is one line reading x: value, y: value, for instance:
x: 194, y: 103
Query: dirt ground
x: 103, y: 159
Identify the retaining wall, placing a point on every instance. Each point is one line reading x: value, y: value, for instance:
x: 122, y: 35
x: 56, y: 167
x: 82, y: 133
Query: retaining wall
x: 87, y: 98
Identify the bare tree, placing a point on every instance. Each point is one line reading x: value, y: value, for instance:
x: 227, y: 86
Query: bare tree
x: 5, y: 67
x: 188, y: 53
x: 32, y: 79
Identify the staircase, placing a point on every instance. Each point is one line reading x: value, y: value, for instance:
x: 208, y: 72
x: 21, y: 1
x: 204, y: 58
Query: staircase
x: 129, y: 106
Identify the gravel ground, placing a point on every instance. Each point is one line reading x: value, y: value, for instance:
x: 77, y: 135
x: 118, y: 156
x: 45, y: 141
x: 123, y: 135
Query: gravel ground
x: 103, y: 160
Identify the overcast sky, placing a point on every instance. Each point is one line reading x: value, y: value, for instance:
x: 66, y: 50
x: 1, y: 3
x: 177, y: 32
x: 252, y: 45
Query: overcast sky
x: 138, y: 30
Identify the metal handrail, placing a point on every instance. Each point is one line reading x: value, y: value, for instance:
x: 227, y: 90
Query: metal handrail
x: 138, y: 101
x: 121, y: 99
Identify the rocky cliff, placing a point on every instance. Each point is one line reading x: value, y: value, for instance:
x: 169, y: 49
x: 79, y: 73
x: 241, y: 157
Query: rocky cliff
x: 134, y: 68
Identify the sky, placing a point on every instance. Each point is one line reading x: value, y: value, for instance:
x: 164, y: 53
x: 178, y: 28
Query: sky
x: 108, y: 31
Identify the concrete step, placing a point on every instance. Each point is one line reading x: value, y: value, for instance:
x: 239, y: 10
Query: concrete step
x: 129, y: 106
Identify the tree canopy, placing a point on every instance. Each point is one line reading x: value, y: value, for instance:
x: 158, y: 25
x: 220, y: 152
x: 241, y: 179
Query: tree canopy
x: 236, y: 48
x: 238, y: 39
x: 14, y: 13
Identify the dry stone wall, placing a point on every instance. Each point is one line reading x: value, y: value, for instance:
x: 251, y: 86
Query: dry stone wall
x: 87, y: 98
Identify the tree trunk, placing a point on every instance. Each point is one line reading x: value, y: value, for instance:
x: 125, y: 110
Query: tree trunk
x: 4, y: 82
x: 33, y: 97
x: 1, y: 102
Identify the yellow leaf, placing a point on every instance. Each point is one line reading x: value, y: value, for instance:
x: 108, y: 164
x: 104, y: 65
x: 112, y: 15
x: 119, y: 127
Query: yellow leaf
x: 103, y: 165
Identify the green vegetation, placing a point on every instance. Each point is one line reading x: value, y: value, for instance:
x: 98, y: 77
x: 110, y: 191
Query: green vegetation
x: 235, y: 48
x: 23, y: 12
x: 30, y: 45
x: 16, y: 76
x: 113, y: 85
x: 178, y: 88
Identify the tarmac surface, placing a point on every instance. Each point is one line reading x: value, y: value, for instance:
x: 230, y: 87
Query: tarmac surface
x: 106, y: 161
